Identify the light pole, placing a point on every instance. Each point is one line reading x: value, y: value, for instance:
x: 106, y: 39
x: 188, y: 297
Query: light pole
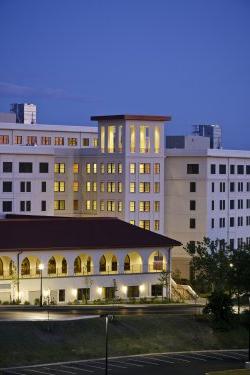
x: 107, y: 317
x: 41, y: 267
x: 18, y: 272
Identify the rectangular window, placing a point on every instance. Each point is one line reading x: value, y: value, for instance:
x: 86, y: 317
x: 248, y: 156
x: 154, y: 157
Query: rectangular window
x: 222, y: 222
x: 59, y: 141
x: 231, y: 204
x: 59, y: 168
x: 144, y: 224
x: 18, y: 139
x: 111, y: 187
x: 222, y: 187
x: 132, y: 139
x: 132, y: 206
x: 119, y: 206
x: 61, y: 296
x: 240, y: 204
x: 212, y: 223
x: 240, y: 169
x: 192, y: 205
x: 25, y: 206
x: 85, y: 142
x: 240, y: 221
x: 119, y: 187
x: 88, y: 186
x: 75, y: 168
x: 94, y: 205
x: 132, y: 222
x: 247, y: 169
x: 7, y: 206
x: 94, y: 186
x: 192, y: 168
x: 43, y: 187
x: 232, y: 169
x: 119, y: 168
x: 212, y: 187
x: 75, y: 186
x: 111, y: 138
x: 4, y: 139
x: 156, y: 290
x: 59, y: 204
x: 43, y: 167
x: 46, y: 141
x: 111, y: 206
x: 132, y: 168
x: 75, y: 204
x: 222, y: 204
x: 231, y: 187
x: 132, y: 188
x: 144, y: 206
x: 25, y: 186
x: 59, y: 186
x: 25, y: 167
x: 231, y: 243
x: 94, y: 168
x: 240, y: 186
x: 102, y: 168
x: 157, y: 138
x: 248, y: 203
x: 192, y: 187
x: 144, y: 187
x: 144, y: 168
x: 144, y: 139
x: 102, y: 187
x: 156, y: 206
x: 212, y: 168
x: 88, y: 205
x: 156, y: 168
x: 102, y: 205
x: 222, y: 169
x: 88, y: 168
x: 248, y: 186
x: 102, y: 135
x: 157, y: 225
x: 7, y: 167
x: 156, y: 187
x: 212, y: 205
x: 247, y: 220
x: 72, y: 141
x: 192, y: 223
x: 7, y: 186
x: 231, y: 221
x: 111, y: 168
x: 43, y: 205
x: 31, y: 140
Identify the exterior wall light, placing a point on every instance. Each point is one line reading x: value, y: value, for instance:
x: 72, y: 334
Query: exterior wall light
x: 99, y: 291
x: 142, y: 288
x: 74, y: 292
x: 124, y: 289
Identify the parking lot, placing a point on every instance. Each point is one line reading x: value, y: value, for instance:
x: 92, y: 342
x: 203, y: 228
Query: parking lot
x: 166, y: 363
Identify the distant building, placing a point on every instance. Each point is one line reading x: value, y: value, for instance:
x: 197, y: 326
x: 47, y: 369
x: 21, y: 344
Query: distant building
x: 25, y: 112
x: 193, y: 142
x: 7, y: 117
x: 211, y: 131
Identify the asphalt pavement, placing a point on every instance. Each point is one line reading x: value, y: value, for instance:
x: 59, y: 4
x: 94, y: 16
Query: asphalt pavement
x: 190, y: 363
x: 21, y: 313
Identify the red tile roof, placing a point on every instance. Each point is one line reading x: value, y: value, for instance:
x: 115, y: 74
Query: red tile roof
x: 44, y: 232
x: 132, y: 117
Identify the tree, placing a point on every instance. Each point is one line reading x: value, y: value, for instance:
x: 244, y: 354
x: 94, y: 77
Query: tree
x: 220, y: 306
x: 210, y: 264
x: 165, y: 280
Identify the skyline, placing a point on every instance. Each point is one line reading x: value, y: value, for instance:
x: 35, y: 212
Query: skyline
x: 189, y: 61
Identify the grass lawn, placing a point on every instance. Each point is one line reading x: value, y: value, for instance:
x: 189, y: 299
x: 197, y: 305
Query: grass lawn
x: 231, y: 372
x: 36, y: 342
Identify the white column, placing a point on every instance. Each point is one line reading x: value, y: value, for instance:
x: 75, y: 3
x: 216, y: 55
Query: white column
x: 169, y: 270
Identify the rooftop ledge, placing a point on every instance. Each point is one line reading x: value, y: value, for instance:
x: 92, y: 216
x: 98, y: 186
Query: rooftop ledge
x: 131, y: 117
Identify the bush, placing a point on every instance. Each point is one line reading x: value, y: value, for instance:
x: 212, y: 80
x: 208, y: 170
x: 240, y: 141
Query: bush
x: 6, y: 302
x: 219, y: 307
x: 26, y: 303
x: 37, y: 301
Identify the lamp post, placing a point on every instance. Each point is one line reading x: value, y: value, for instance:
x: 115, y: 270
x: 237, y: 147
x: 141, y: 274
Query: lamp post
x: 18, y: 272
x: 41, y: 267
x: 107, y: 318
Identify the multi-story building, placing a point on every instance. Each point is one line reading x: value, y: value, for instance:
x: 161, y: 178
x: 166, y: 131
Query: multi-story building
x: 25, y: 112
x: 122, y: 169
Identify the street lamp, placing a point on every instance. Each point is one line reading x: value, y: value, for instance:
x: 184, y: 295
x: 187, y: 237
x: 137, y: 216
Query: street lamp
x: 107, y: 318
x: 41, y: 267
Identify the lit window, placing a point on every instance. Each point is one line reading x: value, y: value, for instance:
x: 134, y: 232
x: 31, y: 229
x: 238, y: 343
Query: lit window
x: 144, y: 206
x: 144, y: 187
x: 111, y: 138
x: 132, y: 187
x: 157, y: 139
x: 102, y: 187
x: 157, y: 206
x: 102, y: 135
x: 72, y: 141
x: 59, y: 141
x: 111, y: 168
x: 157, y: 168
x: 31, y: 140
x: 88, y: 186
x: 59, y: 205
x: 102, y: 206
x: 18, y: 139
x: 132, y: 206
x: 120, y: 138
x: 144, y: 168
x: 156, y: 187
x: 94, y: 188
x: 45, y: 141
x: 132, y: 222
x: 102, y: 168
x: 132, y: 139
x: 94, y: 205
x: 88, y: 205
x: 119, y: 206
x: 95, y: 142
x: 59, y: 186
x: 119, y: 168
x: 75, y: 168
x: 85, y: 142
x: 111, y: 187
x: 75, y: 186
x: 144, y: 139
x: 111, y: 206
x: 119, y: 187
x: 132, y: 168
x: 156, y: 225
x: 94, y: 168
x: 88, y: 168
x: 59, y: 168
x: 144, y: 224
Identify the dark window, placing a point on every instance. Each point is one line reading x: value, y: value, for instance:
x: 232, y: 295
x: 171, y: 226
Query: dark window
x: 192, y: 187
x: 61, y: 295
x: 192, y: 168
x: 109, y: 292
x: 28, y: 186
x: 22, y: 186
x: 212, y: 187
x: 231, y: 221
x: 247, y: 169
x: 7, y: 186
x: 25, y: 167
x: 240, y: 186
x: 240, y: 169
x: 231, y: 186
x: 22, y: 205
x: 222, y: 169
x: 231, y: 204
x: 231, y: 243
x: 83, y: 294
x: 44, y: 167
x: 192, y: 205
x: 212, y: 205
x: 192, y: 223
x: 85, y: 142
x: 7, y: 206
x: 28, y: 205
x: 43, y: 186
x: 156, y: 290
x: 212, y: 223
x: 7, y: 166
x: 43, y: 206
x: 213, y: 168
x: 133, y: 291
x: 232, y: 169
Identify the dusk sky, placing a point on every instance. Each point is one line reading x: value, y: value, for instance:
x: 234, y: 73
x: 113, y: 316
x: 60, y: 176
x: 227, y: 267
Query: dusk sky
x: 75, y: 58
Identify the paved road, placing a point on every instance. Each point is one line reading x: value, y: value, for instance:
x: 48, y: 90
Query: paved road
x: 76, y: 312
x: 190, y: 363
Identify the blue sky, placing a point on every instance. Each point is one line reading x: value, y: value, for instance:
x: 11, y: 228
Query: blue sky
x: 74, y: 58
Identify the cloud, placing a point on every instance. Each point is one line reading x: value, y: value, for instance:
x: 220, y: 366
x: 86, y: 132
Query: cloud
x: 25, y: 92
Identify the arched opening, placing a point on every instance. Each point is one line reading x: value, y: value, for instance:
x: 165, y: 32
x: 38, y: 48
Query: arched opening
x: 88, y: 264
x: 1, y: 267
x: 156, y: 262
x: 25, y: 267
x: 52, y: 266
x: 102, y: 264
x: 127, y: 263
x: 114, y: 263
x: 78, y: 265
x: 64, y: 266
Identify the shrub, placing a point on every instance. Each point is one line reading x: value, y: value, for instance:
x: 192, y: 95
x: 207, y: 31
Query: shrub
x: 26, y: 303
x: 219, y: 307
